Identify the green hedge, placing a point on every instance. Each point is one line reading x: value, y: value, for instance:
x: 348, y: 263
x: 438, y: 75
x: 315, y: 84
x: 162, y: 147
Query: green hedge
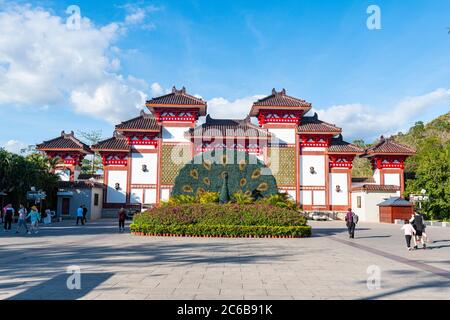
x: 258, y: 214
x: 226, y: 220
x: 222, y: 230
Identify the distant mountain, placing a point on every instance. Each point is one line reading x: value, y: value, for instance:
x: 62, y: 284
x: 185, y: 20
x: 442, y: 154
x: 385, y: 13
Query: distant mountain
x: 439, y: 128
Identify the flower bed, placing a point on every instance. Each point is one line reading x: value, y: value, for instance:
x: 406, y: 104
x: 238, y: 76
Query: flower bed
x: 229, y: 220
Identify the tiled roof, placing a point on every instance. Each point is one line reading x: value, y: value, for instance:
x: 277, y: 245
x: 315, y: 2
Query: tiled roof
x: 389, y: 146
x: 66, y: 141
x: 116, y: 143
x: 145, y: 122
x: 395, y: 202
x: 280, y: 99
x: 314, y: 125
x: 228, y: 127
x: 178, y: 98
x: 338, y: 145
x: 376, y: 188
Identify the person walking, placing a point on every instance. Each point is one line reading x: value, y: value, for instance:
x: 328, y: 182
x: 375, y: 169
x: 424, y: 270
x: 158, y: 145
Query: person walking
x: 351, y: 220
x: 35, y: 217
x: 85, y: 210
x: 22, y: 220
x: 410, y: 233
x: 9, y: 213
x: 122, y: 218
x: 419, y: 225
x: 80, y: 215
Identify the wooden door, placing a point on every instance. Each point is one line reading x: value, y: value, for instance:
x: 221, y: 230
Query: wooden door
x: 65, y: 206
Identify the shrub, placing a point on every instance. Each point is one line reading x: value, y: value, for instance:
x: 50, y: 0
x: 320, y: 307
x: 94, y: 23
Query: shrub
x: 177, y: 200
x: 208, y: 197
x: 222, y: 230
x: 242, y: 198
x: 281, y: 200
x: 226, y: 214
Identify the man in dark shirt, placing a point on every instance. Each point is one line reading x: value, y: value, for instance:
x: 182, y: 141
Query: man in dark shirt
x: 84, y: 213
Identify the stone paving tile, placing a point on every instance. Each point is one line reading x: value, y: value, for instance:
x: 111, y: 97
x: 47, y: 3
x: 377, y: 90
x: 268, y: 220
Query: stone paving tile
x: 209, y: 291
x: 226, y: 292
x: 219, y: 297
x: 150, y: 267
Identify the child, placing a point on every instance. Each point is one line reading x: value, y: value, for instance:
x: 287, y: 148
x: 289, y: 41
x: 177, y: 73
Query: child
x: 409, y: 233
x: 35, y: 217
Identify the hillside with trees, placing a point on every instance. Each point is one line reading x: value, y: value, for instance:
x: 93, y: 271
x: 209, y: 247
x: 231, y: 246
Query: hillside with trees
x: 429, y: 169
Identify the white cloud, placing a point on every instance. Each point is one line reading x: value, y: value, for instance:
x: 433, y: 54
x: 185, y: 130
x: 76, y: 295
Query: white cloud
x: 138, y: 16
x: 43, y: 63
x: 157, y: 89
x: 368, y: 122
x: 237, y: 109
x: 14, y: 146
x: 135, y: 17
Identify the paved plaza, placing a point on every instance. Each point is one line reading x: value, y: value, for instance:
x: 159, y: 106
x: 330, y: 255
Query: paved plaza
x: 122, y: 266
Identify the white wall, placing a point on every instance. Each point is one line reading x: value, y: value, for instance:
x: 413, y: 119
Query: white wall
x: 165, y: 194
x: 307, y: 178
x: 174, y: 134
x: 137, y: 175
x: 143, y: 147
x: 338, y: 198
x: 376, y: 176
x: 150, y: 196
x: 292, y: 193
x: 113, y: 195
x: 392, y: 179
x: 96, y: 211
x: 136, y: 196
x: 306, y: 197
x: 319, y: 198
x: 284, y: 135
x: 369, y: 211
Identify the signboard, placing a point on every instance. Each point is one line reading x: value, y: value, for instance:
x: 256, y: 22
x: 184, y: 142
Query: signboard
x: 36, y: 195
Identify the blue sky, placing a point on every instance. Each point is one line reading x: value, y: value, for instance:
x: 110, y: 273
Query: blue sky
x: 369, y: 82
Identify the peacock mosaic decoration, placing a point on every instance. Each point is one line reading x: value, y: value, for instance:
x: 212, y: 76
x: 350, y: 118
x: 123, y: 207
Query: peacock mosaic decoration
x: 238, y: 171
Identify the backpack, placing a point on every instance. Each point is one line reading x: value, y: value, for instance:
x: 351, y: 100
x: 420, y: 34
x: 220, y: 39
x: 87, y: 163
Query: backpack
x: 355, y: 218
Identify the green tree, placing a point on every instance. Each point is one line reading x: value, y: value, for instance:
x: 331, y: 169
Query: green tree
x: 19, y: 173
x: 429, y: 169
x: 361, y: 166
x: 91, y: 164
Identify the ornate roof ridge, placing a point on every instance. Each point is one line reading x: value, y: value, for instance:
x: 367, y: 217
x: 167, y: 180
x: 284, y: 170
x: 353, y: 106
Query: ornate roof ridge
x: 282, y: 94
x: 176, y: 92
x: 65, y: 136
x: 389, y: 145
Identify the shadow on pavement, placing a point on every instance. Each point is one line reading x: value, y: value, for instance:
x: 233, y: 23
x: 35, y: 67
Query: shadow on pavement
x: 323, y: 232
x: 372, y: 237
x: 67, y: 228
x: 436, y: 285
x: 56, y: 288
